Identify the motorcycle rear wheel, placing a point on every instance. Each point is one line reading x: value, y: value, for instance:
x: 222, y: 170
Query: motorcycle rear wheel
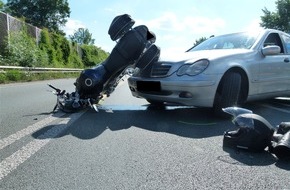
x: 120, y: 25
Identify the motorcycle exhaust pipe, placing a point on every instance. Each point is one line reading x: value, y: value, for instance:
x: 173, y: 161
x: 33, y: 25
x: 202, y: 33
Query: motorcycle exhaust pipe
x: 282, y: 148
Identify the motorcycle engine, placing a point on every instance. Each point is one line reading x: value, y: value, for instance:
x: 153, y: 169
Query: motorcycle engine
x: 90, y: 82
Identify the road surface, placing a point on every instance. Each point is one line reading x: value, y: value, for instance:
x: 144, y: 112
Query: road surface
x: 127, y: 145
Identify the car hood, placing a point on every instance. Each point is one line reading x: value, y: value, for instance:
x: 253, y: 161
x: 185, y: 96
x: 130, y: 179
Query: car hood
x: 204, y: 54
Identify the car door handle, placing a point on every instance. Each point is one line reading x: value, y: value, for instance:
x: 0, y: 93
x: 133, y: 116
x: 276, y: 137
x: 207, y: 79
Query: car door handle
x: 286, y: 60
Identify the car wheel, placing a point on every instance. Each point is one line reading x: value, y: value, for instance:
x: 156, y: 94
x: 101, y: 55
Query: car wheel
x: 228, y: 93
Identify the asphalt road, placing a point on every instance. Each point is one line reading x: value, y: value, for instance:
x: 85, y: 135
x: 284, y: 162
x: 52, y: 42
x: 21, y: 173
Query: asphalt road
x: 127, y: 145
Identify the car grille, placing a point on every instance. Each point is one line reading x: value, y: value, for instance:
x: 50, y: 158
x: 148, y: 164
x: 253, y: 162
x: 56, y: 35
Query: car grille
x: 160, y: 70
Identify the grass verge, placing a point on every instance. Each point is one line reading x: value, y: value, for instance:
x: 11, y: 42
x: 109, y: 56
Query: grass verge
x: 11, y: 76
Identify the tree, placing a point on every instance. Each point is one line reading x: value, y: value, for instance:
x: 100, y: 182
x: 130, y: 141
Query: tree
x: 199, y: 41
x: 51, y: 14
x: 92, y: 55
x: 280, y: 19
x: 82, y: 36
x: 1, y: 5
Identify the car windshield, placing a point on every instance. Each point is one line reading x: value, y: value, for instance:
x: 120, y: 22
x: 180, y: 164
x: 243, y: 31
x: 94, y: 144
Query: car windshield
x: 243, y: 40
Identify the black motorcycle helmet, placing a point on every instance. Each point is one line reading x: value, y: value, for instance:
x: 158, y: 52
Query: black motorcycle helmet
x: 254, y: 133
x: 281, y: 142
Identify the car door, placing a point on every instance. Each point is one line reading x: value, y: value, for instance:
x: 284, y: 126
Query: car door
x: 274, y: 72
x: 286, y: 41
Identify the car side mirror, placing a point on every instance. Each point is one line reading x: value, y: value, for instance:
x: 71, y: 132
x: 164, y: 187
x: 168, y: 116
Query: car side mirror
x: 271, y: 50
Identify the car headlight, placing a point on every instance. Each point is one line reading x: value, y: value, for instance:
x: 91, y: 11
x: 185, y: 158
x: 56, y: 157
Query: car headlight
x: 194, y: 68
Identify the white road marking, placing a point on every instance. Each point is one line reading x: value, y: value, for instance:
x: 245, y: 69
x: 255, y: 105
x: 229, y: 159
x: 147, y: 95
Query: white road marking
x: 28, y: 130
x: 12, y: 162
x: 275, y: 108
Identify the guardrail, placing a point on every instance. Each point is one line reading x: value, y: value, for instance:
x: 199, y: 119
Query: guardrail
x: 39, y: 69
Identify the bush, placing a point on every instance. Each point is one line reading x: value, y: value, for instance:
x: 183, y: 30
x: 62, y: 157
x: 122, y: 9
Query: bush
x: 76, y: 61
x: 52, y: 50
x: 24, y: 76
x: 56, y: 40
x: 65, y: 47
x: 2, y: 78
x: 21, y: 50
x: 46, y: 47
x: 60, y: 52
x: 14, y: 75
x: 92, y: 55
x: 43, y: 59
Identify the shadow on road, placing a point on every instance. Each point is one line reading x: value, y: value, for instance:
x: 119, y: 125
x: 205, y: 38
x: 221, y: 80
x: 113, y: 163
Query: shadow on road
x: 185, y: 122
x: 243, y: 157
x: 182, y: 121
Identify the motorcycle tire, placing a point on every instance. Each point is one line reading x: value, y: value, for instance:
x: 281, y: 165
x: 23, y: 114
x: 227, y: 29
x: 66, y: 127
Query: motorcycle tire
x: 150, y: 56
x: 127, y: 50
x: 120, y: 25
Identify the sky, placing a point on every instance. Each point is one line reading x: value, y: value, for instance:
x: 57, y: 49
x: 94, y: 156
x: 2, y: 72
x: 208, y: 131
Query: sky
x: 177, y: 24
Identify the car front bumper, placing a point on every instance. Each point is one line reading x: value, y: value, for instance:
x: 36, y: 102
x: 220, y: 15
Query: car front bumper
x: 200, y: 93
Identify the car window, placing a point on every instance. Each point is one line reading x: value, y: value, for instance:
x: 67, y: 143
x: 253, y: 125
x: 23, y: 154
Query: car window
x: 241, y: 40
x: 286, y: 40
x: 274, y: 39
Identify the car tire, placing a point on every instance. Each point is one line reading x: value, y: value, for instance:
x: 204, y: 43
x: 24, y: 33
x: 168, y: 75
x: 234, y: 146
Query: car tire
x: 120, y: 25
x: 227, y: 94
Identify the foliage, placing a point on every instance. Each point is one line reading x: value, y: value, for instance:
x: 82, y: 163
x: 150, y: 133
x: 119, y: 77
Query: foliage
x: 2, y: 78
x: 51, y: 49
x: 198, y: 41
x: 1, y: 5
x: 46, y: 46
x: 60, y: 51
x: 22, y: 50
x: 92, y: 55
x: 76, y: 60
x: 50, y: 14
x: 75, y: 57
x: 25, y: 76
x: 277, y: 20
x: 82, y: 36
x: 66, y: 50
x: 14, y: 75
x: 56, y: 41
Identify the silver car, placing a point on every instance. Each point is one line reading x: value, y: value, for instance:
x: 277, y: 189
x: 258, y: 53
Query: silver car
x: 222, y: 71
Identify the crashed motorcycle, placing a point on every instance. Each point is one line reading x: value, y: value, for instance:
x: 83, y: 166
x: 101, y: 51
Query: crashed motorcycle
x: 134, y: 51
x: 254, y: 133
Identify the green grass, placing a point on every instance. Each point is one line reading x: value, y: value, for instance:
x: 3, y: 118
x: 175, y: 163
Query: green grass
x: 11, y: 76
